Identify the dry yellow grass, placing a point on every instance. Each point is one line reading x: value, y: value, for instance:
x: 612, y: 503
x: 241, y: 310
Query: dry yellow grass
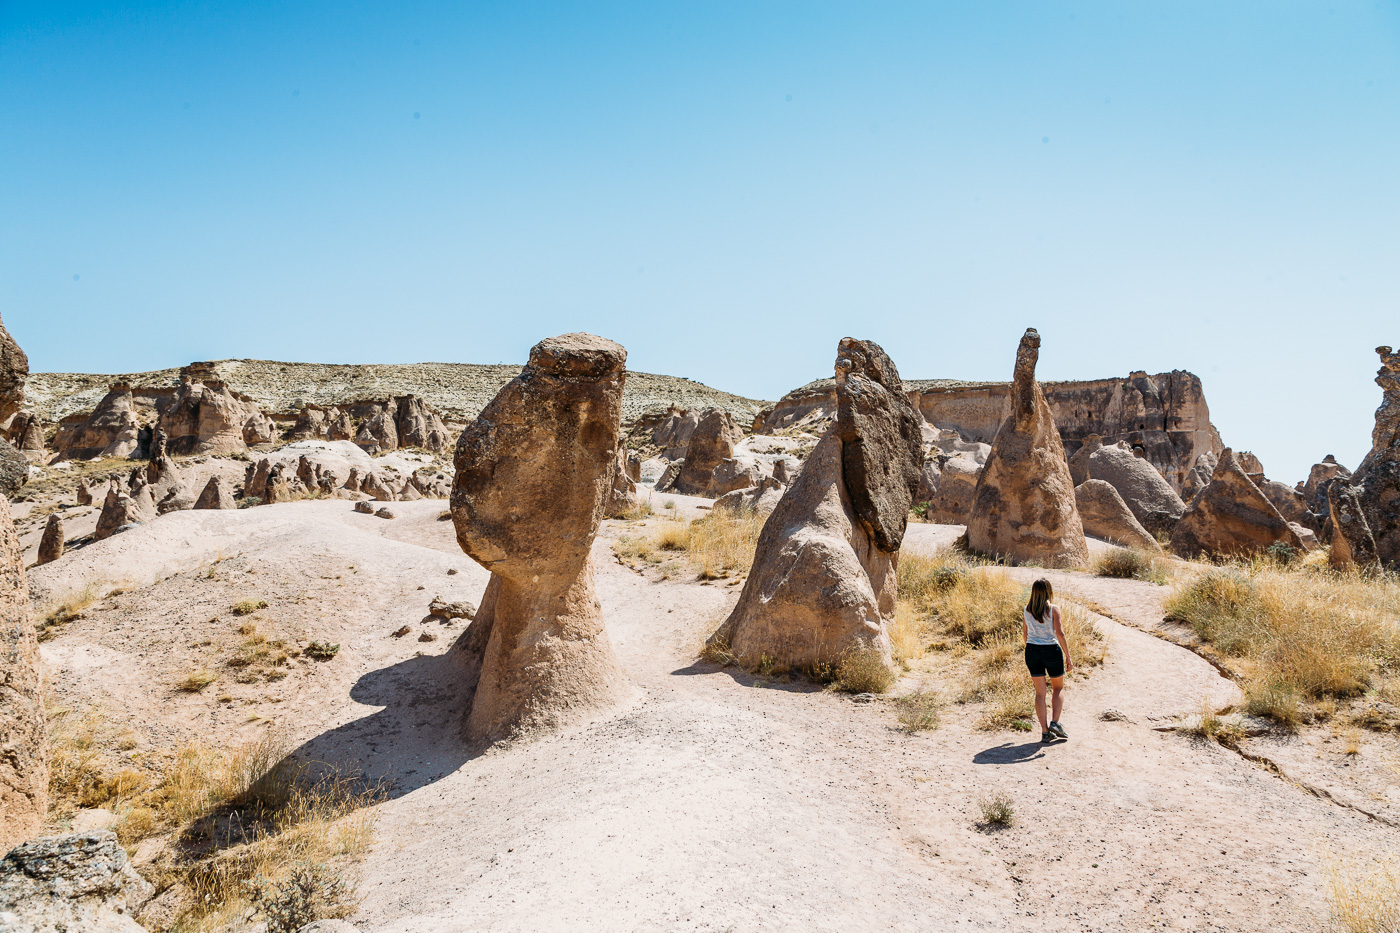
x: 1131, y: 564
x: 715, y: 547
x: 1363, y: 893
x: 1296, y: 636
x: 966, y: 620
x: 240, y: 815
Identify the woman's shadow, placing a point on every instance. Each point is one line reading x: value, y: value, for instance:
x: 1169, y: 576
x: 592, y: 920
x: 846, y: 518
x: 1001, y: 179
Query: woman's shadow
x: 1008, y: 754
x: 412, y: 741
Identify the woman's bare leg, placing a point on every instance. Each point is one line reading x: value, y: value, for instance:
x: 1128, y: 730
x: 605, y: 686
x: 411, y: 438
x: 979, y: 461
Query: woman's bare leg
x: 1040, y: 702
x: 1057, y: 701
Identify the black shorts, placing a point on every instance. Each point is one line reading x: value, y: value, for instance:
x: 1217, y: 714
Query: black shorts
x: 1045, y: 659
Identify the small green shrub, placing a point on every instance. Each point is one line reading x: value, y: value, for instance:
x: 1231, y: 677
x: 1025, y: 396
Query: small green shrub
x: 246, y: 607
x: 321, y: 651
x: 311, y: 892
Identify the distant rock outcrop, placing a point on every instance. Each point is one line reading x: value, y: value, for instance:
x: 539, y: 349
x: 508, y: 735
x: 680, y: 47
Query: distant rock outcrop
x: 206, y: 417
x: 1149, y: 496
x: 534, y: 473
x: 406, y: 421
x: 823, y: 579
x: 24, y: 769
x: 957, y: 484
x: 1024, y: 508
x: 215, y: 495
x: 622, y: 495
x: 112, y: 430
x: 1231, y: 517
x: 711, y: 443
x: 1314, y: 488
x: 1377, y: 479
x: 1105, y: 515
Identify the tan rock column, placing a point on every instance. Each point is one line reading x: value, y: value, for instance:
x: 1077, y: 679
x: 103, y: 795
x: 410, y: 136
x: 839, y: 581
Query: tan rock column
x: 24, y: 767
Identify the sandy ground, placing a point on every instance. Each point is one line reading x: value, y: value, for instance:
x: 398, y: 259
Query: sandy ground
x: 719, y: 801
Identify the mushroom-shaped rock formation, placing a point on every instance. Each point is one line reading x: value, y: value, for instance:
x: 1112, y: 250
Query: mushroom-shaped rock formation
x: 534, y: 474
x: 1231, y: 517
x: 823, y: 581
x: 1024, y: 508
x: 24, y: 772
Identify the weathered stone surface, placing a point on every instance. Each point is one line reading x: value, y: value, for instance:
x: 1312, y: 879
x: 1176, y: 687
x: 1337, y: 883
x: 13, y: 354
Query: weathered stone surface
x: 112, y: 430
x: 1289, y: 502
x: 672, y: 430
x: 651, y: 471
x: 928, y: 480
x: 448, y: 609
x: 1105, y: 515
x: 738, y: 472
x: 534, y: 472
x: 14, y: 372
x: 1378, y: 477
x: 957, y: 484
x: 51, y: 544
x: 206, y: 417
x: 79, y: 883
x: 365, y: 506
x: 418, y: 425
x: 882, y: 450
x: 24, y: 771
x: 1350, y: 539
x: 1314, y: 488
x: 622, y: 492
x: 667, y: 482
x: 785, y: 470
x: 1136, y: 480
x: 378, y: 433
x: 1198, y: 477
x: 1024, y: 507
x: 14, y: 470
x: 122, y: 508
x: 1230, y: 517
x: 822, y: 585
x: 711, y: 444
x: 761, y: 499
x: 215, y: 495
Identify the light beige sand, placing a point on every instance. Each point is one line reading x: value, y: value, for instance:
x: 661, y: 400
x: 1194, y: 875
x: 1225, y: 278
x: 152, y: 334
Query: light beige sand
x: 720, y: 801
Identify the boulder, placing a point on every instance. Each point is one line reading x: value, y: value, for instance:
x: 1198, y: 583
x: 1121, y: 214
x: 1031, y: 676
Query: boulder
x: 1231, y: 517
x: 1350, y: 539
x: 622, y: 491
x: 206, y: 417
x: 112, y: 429
x: 711, y: 444
x: 24, y: 769
x: 1289, y: 502
x: 957, y: 484
x: 120, y: 509
x: 446, y: 609
x: 673, y: 432
x: 740, y: 472
x: 823, y: 581
x: 538, y: 642
x: 14, y: 470
x: 1105, y: 515
x: 432, y: 483
x: 365, y: 506
x: 51, y: 544
x: 928, y: 480
x: 216, y: 495
x: 14, y: 372
x: 1137, y: 481
x: 1023, y: 510
x: 79, y: 882
x: 667, y: 482
x: 651, y: 471
x: 83, y: 492
x: 761, y: 499
x: 785, y: 470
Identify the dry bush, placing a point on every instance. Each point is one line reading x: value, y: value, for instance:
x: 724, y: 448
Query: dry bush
x: 971, y: 615
x: 1209, y: 724
x: 997, y: 810
x: 1296, y: 637
x: 195, y: 681
x: 246, y: 607
x: 919, y: 712
x: 1131, y: 564
x: 1363, y: 893
x: 635, y: 513
x: 862, y: 670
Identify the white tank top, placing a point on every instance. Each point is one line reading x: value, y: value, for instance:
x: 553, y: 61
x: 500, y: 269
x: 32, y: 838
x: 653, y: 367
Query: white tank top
x: 1038, y: 632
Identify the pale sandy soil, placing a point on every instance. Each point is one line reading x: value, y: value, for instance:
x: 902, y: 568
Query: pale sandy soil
x: 719, y: 801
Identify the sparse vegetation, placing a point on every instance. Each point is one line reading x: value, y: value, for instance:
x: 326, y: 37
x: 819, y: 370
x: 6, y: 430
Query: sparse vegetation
x: 998, y: 810
x: 642, y: 509
x: 963, y: 621
x: 714, y: 546
x: 1295, y: 636
x: 195, y: 681
x: 69, y: 610
x: 1363, y: 892
x: 862, y: 671
x: 246, y: 607
x: 1210, y: 724
x: 1131, y: 564
x: 919, y: 712
x: 248, y: 828
x: 247, y: 502
x: 321, y: 650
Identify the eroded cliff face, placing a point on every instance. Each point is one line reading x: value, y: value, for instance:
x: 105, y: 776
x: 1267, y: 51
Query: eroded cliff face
x: 1165, y: 415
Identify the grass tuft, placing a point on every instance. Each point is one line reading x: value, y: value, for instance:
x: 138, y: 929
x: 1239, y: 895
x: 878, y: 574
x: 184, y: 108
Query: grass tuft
x: 1363, y: 893
x: 862, y: 671
x: 196, y: 681
x: 246, y: 607
x: 919, y: 712
x: 1130, y: 564
x: 998, y: 810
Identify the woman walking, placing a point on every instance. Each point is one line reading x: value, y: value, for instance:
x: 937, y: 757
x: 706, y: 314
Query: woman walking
x: 1047, y: 655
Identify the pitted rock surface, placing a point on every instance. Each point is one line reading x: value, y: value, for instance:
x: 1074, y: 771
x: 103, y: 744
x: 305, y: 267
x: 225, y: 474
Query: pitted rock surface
x: 1231, y: 517
x: 24, y: 771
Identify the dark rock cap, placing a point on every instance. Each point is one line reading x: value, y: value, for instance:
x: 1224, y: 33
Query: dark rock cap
x: 581, y: 356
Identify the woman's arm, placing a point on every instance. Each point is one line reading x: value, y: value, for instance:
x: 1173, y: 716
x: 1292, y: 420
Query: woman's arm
x: 1060, y: 637
x: 1025, y: 630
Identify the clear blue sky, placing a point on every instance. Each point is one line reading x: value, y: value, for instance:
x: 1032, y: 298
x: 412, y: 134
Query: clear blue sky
x: 725, y: 188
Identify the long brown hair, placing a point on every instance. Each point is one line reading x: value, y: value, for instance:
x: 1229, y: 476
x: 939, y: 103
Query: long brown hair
x: 1041, y: 594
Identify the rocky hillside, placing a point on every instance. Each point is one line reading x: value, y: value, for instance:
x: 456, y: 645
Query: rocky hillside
x: 458, y: 390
